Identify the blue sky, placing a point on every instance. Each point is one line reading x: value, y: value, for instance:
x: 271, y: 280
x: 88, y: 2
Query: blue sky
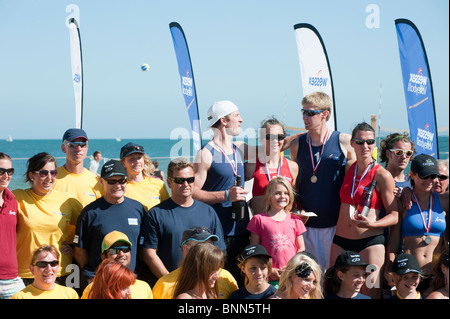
x: 243, y: 51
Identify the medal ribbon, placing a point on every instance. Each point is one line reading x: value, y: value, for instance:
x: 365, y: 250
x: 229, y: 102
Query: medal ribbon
x: 234, y: 168
x: 430, y: 216
x: 325, y: 140
x: 353, y: 190
x: 279, y: 169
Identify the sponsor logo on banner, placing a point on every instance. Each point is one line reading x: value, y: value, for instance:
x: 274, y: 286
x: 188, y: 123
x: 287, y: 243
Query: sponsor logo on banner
x: 318, y: 80
x: 425, y: 138
x: 417, y: 83
x: 186, y: 82
x: 77, y: 78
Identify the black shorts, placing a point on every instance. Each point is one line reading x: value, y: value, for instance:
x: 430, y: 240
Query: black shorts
x: 357, y: 245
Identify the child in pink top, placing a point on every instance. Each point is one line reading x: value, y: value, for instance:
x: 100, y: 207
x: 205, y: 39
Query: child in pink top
x: 279, y: 231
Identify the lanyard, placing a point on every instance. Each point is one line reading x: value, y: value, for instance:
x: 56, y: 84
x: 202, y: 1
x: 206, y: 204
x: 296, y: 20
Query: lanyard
x: 325, y: 140
x: 353, y: 190
x: 233, y: 167
x: 279, y: 169
x: 430, y: 215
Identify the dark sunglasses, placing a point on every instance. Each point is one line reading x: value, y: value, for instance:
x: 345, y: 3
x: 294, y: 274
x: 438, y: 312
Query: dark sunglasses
x: 44, y: 172
x: 441, y: 177
x: 432, y: 176
x: 116, y: 250
x: 115, y: 181
x: 400, y: 152
x: 311, y: 112
x: 75, y: 144
x: 359, y: 141
x: 278, y: 137
x: 181, y: 180
x: 9, y: 171
x: 43, y: 264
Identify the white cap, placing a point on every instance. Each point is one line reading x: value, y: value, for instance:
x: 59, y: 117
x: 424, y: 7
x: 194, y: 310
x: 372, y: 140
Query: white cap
x: 218, y: 110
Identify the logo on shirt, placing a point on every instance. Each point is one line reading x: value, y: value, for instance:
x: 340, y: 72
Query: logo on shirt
x: 280, y: 242
x: 12, y: 213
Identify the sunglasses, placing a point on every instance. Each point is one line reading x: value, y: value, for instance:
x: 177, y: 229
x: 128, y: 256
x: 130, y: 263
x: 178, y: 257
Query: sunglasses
x: 44, y: 173
x: 75, y: 144
x: 311, y: 113
x: 442, y: 177
x: 359, y: 141
x: 117, y: 250
x: 9, y: 171
x: 121, y: 181
x: 278, y: 137
x: 432, y: 176
x: 400, y: 152
x: 181, y: 180
x: 43, y: 264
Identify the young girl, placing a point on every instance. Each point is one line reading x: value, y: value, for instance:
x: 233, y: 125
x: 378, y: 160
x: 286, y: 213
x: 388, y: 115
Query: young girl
x: 408, y: 276
x: 277, y: 230
x: 256, y: 265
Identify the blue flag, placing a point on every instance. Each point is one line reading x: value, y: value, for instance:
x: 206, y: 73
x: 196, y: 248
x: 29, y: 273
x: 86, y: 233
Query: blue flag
x: 187, y: 81
x: 418, y: 88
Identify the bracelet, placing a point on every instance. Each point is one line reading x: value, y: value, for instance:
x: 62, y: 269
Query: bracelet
x: 226, y: 193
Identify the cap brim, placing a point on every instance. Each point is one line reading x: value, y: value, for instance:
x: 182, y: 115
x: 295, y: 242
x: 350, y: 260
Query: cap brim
x: 119, y: 240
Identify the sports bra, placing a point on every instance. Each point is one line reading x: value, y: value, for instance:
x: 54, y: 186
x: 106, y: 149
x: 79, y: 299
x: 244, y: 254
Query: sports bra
x: 346, y: 188
x: 412, y: 224
x: 260, y: 180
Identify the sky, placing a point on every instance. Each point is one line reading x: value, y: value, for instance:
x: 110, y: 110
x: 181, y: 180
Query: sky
x: 243, y: 51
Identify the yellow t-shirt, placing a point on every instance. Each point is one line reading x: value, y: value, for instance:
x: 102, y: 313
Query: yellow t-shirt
x: 44, y: 220
x: 139, y: 290
x: 165, y: 286
x: 85, y: 186
x: 58, y: 292
x: 150, y: 192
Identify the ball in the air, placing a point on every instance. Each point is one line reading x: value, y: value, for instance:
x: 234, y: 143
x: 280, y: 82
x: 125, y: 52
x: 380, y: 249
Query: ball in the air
x: 144, y: 67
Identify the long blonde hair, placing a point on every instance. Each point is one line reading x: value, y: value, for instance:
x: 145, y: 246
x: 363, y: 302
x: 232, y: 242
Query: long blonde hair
x: 271, y: 188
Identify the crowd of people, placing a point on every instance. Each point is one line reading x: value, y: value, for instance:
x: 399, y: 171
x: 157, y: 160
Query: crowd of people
x: 119, y: 234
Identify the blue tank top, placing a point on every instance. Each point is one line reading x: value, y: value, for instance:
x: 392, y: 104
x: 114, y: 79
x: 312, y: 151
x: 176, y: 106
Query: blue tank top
x: 412, y: 224
x: 321, y: 197
x: 219, y: 178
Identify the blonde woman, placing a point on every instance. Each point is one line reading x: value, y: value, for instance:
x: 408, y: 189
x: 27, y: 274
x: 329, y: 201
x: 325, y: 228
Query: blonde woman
x: 300, y: 279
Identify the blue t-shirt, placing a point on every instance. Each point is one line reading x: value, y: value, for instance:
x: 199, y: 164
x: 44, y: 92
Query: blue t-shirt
x: 358, y: 296
x: 243, y: 293
x: 98, y: 219
x: 164, y: 224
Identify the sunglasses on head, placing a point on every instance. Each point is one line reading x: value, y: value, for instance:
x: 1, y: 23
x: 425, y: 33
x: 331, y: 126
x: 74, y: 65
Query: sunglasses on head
x: 43, y: 264
x: 44, y: 173
x: 278, y: 137
x: 115, y: 181
x: 311, y: 113
x: 75, y: 144
x: 9, y: 171
x: 132, y: 148
x: 117, y: 250
x: 359, y: 141
x: 181, y: 180
x: 400, y: 152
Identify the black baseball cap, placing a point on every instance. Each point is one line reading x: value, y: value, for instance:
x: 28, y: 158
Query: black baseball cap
x: 406, y: 263
x: 254, y: 250
x: 349, y: 258
x: 199, y: 234
x: 74, y: 133
x: 113, y: 168
x: 424, y: 165
x: 130, y: 148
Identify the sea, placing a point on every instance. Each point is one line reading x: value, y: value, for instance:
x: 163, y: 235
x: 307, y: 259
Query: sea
x: 162, y: 150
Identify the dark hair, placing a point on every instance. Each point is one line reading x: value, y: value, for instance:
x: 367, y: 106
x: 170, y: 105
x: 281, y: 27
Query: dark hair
x: 389, y: 143
x: 362, y: 127
x: 178, y: 164
x: 36, y: 162
x: 4, y: 156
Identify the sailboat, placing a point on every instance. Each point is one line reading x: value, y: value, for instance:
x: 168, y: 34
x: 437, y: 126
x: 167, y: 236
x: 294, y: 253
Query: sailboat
x: 9, y: 138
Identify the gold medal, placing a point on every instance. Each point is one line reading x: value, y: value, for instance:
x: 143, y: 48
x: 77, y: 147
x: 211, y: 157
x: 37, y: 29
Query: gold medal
x: 313, y: 179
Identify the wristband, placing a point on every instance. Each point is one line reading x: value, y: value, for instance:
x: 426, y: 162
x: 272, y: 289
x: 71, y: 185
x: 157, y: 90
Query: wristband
x: 226, y: 193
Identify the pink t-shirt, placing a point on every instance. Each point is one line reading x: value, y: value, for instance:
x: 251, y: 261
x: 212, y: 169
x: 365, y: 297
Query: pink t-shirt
x: 278, y: 237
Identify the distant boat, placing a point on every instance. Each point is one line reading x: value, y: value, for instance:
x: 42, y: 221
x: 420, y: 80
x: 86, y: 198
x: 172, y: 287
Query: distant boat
x: 9, y: 138
x: 118, y: 139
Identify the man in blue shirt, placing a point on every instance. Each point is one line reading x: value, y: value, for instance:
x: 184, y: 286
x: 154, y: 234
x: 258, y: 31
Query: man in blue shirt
x: 164, y: 224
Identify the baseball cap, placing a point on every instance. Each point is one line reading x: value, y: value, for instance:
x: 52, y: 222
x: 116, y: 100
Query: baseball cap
x: 349, y: 258
x: 218, y: 110
x: 254, y: 250
x: 424, y: 165
x: 130, y: 148
x: 406, y: 263
x: 113, y: 237
x: 74, y: 133
x: 198, y: 234
x: 113, y: 168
